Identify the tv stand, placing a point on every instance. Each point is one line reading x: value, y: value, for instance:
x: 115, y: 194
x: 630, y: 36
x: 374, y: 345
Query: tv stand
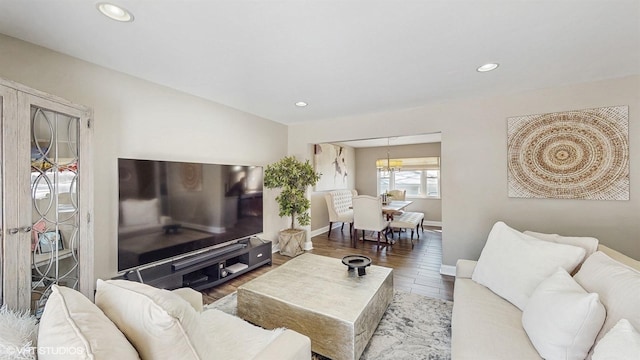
x: 207, y: 269
x: 215, y: 253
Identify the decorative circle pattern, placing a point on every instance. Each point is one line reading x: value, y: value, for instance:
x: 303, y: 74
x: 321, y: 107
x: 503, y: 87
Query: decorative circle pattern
x: 192, y: 177
x: 570, y: 155
x: 54, y: 191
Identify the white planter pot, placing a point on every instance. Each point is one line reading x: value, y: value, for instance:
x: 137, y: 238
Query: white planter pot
x: 292, y: 241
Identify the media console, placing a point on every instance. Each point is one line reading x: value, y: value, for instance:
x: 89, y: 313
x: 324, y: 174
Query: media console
x: 207, y: 269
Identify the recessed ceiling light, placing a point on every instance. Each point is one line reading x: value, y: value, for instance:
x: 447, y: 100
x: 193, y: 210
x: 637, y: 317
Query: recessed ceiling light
x: 115, y: 12
x: 301, y: 104
x: 488, y: 67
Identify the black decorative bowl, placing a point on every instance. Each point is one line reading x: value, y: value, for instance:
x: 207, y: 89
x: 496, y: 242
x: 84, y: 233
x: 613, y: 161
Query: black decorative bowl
x: 359, y: 262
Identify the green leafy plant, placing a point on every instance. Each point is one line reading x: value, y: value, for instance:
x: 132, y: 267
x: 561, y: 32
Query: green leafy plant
x: 293, y: 177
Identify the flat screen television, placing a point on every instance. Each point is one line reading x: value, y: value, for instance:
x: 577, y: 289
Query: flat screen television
x: 169, y: 209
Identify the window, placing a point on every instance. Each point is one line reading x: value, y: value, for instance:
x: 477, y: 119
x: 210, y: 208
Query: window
x: 420, y: 177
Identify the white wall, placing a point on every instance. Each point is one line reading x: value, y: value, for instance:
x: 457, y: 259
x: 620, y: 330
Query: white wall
x: 135, y: 118
x: 474, y: 164
x: 138, y: 119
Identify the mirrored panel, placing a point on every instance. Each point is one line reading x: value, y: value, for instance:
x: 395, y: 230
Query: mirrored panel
x: 54, y: 195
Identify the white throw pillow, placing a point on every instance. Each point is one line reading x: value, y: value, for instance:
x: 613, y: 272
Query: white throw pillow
x: 159, y: 323
x: 513, y: 264
x: 618, y: 286
x: 562, y: 319
x: 18, y: 333
x: 589, y: 244
x: 72, y: 327
x: 622, y: 342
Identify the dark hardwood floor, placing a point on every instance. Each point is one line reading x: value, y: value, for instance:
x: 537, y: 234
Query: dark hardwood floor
x: 415, y: 270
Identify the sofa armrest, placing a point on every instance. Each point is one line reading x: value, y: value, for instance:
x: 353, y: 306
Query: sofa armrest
x: 289, y: 345
x: 464, y: 268
x: 194, y: 298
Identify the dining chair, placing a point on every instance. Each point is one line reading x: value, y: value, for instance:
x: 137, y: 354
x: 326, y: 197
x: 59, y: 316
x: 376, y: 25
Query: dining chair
x: 399, y: 195
x: 367, y: 216
x: 340, y: 208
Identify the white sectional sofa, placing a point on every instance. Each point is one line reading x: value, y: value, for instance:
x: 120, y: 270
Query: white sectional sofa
x: 486, y: 326
x: 136, y: 321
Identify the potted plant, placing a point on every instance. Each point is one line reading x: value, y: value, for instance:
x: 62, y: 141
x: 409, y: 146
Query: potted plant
x: 293, y: 177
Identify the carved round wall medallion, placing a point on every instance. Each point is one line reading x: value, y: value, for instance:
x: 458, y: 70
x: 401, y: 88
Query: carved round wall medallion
x: 570, y: 155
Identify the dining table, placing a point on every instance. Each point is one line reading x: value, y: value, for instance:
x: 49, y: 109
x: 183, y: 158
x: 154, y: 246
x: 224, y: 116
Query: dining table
x: 390, y: 208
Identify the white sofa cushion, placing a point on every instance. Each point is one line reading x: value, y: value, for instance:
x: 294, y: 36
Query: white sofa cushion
x: 622, y: 342
x: 617, y: 285
x: 562, y: 319
x: 620, y: 257
x: 72, y: 327
x: 485, y: 326
x: 162, y: 325
x: 589, y: 244
x: 159, y: 323
x: 513, y: 264
x: 239, y: 339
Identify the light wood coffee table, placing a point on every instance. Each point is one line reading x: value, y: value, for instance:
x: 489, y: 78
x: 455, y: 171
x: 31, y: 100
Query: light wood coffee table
x: 316, y: 296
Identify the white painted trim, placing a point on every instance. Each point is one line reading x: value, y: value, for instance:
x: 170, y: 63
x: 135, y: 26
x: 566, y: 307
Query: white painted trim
x: 448, y: 270
x: 308, y: 245
x: 433, y: 223
x: 322, y: 230
x: 325, y: 229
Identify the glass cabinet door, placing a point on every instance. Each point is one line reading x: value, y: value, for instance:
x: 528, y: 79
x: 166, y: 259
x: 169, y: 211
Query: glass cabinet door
x: 46, y: 195
x: 54, y: 183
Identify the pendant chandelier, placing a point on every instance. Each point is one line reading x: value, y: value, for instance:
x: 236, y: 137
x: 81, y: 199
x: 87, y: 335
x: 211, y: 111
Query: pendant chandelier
x: 387, y: 165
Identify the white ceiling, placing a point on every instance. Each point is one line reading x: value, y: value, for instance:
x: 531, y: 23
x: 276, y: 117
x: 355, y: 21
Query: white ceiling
x: 343, y: 57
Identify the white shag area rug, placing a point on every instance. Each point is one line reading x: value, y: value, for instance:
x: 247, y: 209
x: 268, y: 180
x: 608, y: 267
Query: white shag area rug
x: 413, y: 327
x: 18, y: 333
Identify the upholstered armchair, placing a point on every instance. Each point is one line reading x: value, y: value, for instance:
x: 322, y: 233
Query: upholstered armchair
x: 340, y: 208
x: 367, y: 215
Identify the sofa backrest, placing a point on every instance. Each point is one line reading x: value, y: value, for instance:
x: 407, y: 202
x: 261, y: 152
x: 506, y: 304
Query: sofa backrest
x: 616, y: 279
x: 620, y: 257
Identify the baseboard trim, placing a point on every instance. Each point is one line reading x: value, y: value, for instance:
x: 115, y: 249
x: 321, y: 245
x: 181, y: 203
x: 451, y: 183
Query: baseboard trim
x: 448, y: 270
x: 433, y: 223
x: 319, y: 231
x: 325, y: 229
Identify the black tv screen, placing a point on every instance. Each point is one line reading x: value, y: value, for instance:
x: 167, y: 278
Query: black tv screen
x: 170, y: 209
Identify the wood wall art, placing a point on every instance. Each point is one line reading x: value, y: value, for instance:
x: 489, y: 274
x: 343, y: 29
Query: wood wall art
x: 330, y: 162
x: 581, y: 154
